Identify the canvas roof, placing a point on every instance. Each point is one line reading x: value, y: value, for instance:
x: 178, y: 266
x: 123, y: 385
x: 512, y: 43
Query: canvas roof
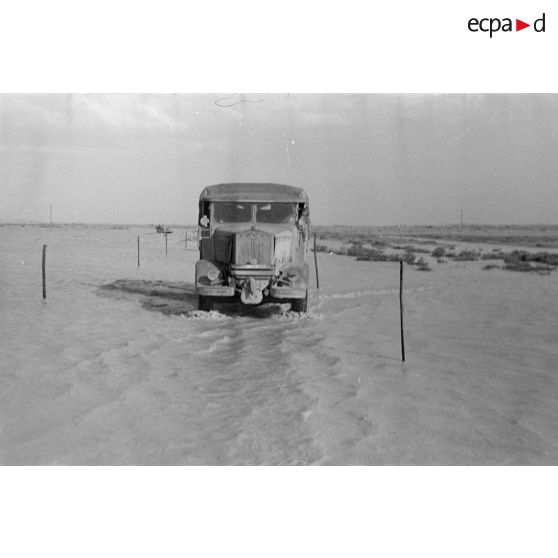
x: 254, y: 192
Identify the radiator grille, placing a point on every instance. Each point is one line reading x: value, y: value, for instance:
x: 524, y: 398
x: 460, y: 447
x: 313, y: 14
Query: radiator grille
x: 253, y: 247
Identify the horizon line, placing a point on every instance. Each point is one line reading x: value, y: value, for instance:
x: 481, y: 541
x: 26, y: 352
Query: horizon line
x: 428, y: 225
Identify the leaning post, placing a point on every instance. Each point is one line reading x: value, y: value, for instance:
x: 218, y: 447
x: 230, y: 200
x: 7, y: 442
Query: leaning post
x: 316, y: 264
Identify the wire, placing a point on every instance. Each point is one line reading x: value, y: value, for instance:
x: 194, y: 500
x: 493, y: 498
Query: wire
x: 219, y: 104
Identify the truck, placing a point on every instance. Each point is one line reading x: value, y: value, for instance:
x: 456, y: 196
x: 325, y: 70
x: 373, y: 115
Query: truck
x: 253, y: 243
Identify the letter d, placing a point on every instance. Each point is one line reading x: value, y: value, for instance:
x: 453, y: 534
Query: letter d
x: 535, y: 25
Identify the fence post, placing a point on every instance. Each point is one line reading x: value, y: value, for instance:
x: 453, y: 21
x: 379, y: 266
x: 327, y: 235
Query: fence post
x: 401, y: 309
x: 316, y: 264
x: 138, y: 252
x: 44, y: 271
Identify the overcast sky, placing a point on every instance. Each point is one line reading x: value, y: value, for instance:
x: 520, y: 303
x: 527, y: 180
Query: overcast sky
x: 363, y: 159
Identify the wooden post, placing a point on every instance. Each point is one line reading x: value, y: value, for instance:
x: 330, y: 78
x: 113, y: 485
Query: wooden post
x: 316, y: 264
x: 166, y: 237
x: 44, y: 271
x: 138, y: 252
x: 401, y: 308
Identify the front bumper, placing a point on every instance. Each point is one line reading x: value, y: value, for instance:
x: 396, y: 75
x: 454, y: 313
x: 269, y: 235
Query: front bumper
x: 203, y: 290
x: 281, y: 293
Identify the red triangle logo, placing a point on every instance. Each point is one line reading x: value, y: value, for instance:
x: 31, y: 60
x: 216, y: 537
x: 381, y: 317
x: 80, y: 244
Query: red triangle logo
x: 519, y: 25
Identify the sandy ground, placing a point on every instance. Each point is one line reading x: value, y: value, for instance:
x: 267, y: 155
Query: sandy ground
x: 118, y: 367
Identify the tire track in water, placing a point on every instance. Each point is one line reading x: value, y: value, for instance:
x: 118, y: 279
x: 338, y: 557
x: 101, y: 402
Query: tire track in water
x: 261, y: 385
x: 246, y: 403
x: 270, y: 391
x: 335, y: 371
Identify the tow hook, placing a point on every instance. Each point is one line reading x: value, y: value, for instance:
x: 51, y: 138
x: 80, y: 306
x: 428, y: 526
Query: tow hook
x: 250, y: 294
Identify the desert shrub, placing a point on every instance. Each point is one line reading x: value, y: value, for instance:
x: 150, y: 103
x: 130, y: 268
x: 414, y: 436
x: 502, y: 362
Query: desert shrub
x: 422, y: 265
x: 545, y: 258
x: 520, y: 260
x: 517, y: 261
x: 355, y: 249
x: 438, y: 252
x: 321, y: 248
x: 409, y: 257
x: 410, y: 248
x: 516, y: 256
x: 373, y: 255
x: 467, y: 256
x: 369, y: 254
x: 417, y: 249
x: 491, y: 266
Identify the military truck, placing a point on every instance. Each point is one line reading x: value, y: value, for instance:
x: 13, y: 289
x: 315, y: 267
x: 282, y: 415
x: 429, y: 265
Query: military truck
x: 253, y: 241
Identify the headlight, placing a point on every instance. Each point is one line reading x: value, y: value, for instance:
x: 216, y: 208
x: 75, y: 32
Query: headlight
x: 207, y: 273
x: 213, y: 274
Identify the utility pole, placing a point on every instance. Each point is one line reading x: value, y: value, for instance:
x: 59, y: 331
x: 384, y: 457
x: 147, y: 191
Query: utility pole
x: 51, y: 215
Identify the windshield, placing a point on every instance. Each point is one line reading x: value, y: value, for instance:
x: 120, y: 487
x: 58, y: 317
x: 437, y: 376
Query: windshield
x: 232, y: 212
x: 275, y: 213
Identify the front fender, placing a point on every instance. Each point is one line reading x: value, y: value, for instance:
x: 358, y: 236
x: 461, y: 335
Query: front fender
x: 210, y: 280
x: 293, y: 275
x: 207, y: 273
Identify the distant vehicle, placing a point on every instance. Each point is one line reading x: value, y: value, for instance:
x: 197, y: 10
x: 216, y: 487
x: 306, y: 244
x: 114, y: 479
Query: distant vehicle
x: 162, y: 229
x: 253, y: 245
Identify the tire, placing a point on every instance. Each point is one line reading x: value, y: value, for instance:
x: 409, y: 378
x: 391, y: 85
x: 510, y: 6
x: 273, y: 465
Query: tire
x: 300, y: 304
x: 205, y: 303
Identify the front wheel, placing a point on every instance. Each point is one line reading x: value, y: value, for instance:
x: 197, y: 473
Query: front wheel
x: 205, y: 303
x: 300, y: 304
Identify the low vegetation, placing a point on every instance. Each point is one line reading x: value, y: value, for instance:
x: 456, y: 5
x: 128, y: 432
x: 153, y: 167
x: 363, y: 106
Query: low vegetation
x: 516, y: 260
x: 467, y: 256
x: 321, y: 248
x: 422, y: 265
x: 541, y: 262
x: 543, y: 236
x: 492, y: 266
